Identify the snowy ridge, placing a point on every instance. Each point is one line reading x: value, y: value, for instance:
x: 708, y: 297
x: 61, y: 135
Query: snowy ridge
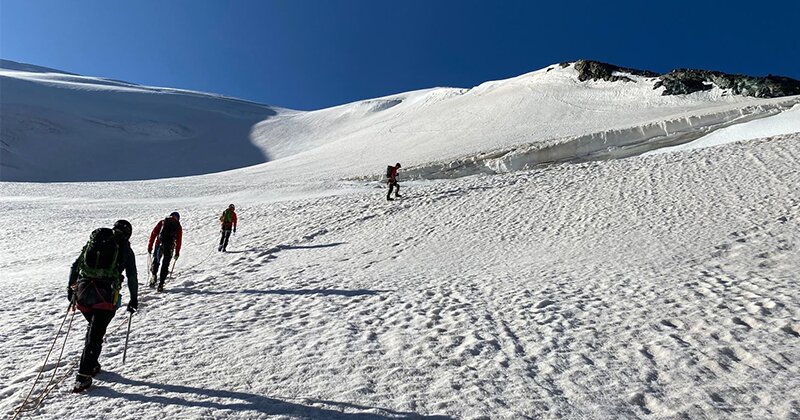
x: 52, y: 121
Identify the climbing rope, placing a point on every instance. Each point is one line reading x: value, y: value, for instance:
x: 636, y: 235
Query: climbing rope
x: 53, y: 383
x: 22, y: 407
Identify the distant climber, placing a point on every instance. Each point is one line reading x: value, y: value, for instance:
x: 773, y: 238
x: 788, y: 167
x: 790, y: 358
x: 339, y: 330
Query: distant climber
x: 94, y: 287
x: 391, y: 173
x: 167, y: 236
x: 228, y: 220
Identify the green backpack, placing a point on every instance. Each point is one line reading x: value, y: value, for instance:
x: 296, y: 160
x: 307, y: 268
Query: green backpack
x: 99, y: 279
x: 99, y: 258
x: 227, y: 216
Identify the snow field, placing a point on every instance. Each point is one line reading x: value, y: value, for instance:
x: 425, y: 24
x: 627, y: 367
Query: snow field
x: 658, y: 286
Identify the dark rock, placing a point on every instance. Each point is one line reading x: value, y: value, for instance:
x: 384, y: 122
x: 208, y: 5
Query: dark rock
x: 683, y: 81
x: 595, y: 70
x: 686, y: 81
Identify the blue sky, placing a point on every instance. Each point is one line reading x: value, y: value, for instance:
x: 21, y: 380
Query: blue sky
x: 311, y: 54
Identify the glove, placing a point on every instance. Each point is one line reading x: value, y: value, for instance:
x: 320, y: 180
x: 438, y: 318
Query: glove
x: 234, y: 230
x: 69, y: 293
x: 177, y: 256
x: 149, y: 250
x: 133, y: 305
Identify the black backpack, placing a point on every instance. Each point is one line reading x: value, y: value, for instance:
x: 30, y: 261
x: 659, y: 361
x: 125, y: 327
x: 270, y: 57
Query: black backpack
x: 389, y: 170
x: 169, y: 232
x: 100, y: 256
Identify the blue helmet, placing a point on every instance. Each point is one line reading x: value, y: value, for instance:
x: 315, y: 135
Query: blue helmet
x: 176, y: 215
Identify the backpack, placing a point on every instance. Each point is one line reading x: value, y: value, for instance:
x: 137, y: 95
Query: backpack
x: 227, y: 216
x: 169, y: 232
x: 389, y: 170
x: 99, y: 258
x: 99, y: 277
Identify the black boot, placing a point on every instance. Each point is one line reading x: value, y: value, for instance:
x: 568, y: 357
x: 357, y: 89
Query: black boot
x: 82, y: 383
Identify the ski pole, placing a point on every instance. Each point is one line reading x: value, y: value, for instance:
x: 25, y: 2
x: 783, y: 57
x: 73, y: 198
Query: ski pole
x: 125, y: 350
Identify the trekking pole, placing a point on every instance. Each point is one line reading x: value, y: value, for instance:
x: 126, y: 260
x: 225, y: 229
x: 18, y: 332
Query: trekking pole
x: 173, y: 267
x: 125, y: 350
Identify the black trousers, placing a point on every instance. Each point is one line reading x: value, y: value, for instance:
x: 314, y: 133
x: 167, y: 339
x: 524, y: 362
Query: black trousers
x: 223, y: 241
x: 159, y: 253
x: 98, y: 324
x: 391, y: 186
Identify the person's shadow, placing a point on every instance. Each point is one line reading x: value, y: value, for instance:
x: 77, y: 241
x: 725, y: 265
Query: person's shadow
x: 221, y: 400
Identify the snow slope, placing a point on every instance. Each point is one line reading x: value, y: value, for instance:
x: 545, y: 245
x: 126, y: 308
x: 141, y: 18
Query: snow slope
x: 547, y: 111
x: 50, y: 120
x: 56, y: 126
x: 655, y: 286
x: 647, y: 287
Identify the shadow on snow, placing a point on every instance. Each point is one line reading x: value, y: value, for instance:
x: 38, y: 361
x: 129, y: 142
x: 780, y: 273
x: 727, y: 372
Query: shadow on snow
x: 220, y: 400
x: 279, y: 248
x: 324, y: 292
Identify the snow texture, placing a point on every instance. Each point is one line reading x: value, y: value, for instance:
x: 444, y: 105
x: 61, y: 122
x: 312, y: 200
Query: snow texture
x: 654, y: 286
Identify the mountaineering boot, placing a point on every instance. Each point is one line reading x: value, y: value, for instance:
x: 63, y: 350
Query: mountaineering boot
x: 220, y: 248
x: 398, y: 196
x: 389, y: 199
x: 160, y: 287
x: 82, y: 383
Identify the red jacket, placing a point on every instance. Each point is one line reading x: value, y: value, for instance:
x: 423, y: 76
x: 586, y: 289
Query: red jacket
x: 393, y: 177
x: 157, y: 230
x: 232, y: 222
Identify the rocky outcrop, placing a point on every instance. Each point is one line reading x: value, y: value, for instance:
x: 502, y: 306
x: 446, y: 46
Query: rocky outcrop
x: 595, y: 70
x: 685, y: 81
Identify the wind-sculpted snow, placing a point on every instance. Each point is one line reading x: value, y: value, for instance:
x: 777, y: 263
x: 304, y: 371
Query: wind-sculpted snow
x: 651, y: 287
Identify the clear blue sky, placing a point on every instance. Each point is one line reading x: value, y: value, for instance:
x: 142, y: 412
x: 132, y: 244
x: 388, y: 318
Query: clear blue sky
x: 311, y: 54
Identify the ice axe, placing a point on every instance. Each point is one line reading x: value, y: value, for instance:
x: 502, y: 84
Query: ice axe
x: 173, y: 267
x: 125, y: 350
